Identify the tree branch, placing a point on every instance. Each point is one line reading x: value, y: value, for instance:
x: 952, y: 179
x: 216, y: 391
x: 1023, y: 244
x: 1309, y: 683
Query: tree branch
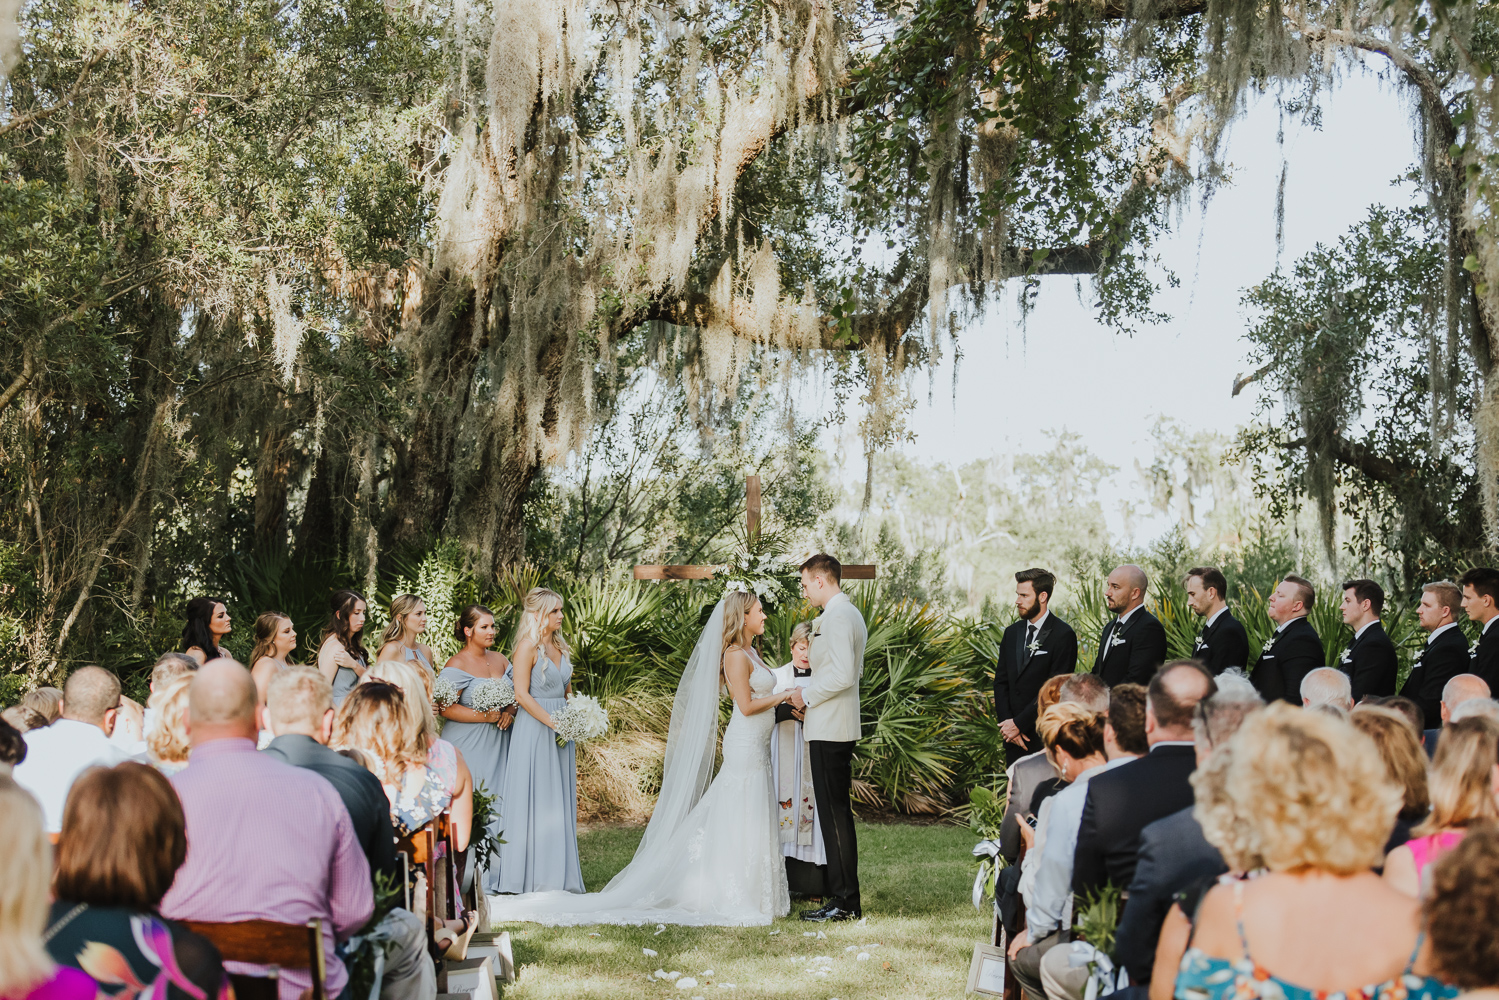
x: 28, y: 369
x: 35, y: 116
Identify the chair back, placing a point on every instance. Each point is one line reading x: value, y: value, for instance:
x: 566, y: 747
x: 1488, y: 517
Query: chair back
x: 266, y: 942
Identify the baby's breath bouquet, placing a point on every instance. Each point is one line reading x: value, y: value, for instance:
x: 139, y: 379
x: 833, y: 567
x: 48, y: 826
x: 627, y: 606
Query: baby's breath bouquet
x: 492, y: 695
x: 582, y: 720
x: 444, y: 694
x: 760, y: 574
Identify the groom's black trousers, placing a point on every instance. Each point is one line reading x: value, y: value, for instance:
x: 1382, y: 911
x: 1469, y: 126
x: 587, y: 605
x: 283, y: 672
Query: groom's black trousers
x: 832, y: 784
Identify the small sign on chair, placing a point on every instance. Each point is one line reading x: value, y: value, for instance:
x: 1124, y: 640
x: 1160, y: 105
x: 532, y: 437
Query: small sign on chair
x: 986, y: 973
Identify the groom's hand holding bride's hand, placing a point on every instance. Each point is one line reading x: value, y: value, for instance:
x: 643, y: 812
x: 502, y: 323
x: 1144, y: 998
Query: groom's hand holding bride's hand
x: 796, y: 699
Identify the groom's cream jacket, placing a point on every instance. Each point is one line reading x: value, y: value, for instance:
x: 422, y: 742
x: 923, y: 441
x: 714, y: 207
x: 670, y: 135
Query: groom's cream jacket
x: 837, y: 660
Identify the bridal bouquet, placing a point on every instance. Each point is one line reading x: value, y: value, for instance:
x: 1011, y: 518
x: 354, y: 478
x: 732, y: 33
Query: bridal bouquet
x: 492, y: 695
x: 444, y: 694
x: 583, y: 719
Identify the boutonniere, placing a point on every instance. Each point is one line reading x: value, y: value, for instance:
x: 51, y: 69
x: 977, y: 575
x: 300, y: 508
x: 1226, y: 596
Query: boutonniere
x: 1034, y: 644
x: 1116, y: 640
x: 1269, y: 645
x: 1199, y: 644
x: 1473, y: 651
x: 1347, y: 656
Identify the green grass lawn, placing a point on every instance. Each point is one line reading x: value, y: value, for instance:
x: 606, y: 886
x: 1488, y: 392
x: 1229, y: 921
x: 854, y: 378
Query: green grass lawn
x: 915, y: 882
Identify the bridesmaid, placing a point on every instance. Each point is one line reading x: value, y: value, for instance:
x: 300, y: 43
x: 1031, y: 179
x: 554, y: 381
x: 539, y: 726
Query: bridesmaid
x: 207, y: 625
x: 540, y: 798
x: 408, y: 620
x: 275, y: 638
x: 342, y: 659
x: 482, y: 737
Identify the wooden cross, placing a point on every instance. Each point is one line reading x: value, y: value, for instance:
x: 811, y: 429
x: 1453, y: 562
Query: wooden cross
x: 751, y: 531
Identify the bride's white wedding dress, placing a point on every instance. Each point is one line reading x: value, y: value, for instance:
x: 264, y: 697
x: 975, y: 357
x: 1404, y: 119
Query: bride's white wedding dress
x: 721, y: 864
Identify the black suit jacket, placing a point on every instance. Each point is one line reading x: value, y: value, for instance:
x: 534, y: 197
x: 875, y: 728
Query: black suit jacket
x: 1223, y: 644
x: 1293, y: 653
x: 1019, y: 674
x: 1120, y: 804
x: 1370, y: 663
x: 362, y: 794
x: 1173, y: 855
x: 1484, y: 658
x: 1137, y: 655
x: 1442, y: 660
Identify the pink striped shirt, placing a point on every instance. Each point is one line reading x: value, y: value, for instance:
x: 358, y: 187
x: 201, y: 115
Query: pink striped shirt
x: 268, y: 841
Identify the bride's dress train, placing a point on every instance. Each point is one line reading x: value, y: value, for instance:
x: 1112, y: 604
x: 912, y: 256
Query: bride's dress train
x: 721, y: 864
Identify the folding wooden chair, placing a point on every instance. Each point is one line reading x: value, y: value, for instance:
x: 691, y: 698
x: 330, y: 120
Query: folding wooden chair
x: 266, y: 942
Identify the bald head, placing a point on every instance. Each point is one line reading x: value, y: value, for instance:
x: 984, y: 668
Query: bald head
x: 221, y: 703
x: 1463, y: 687
x: 1172, y: 700
x: 91, y: 695
x: 1125, y: 588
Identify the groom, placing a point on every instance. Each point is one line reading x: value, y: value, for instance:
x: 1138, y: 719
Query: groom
x: 832, y: 728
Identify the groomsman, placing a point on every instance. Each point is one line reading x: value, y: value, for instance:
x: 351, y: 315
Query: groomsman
x: 1222, y: 643
x: 1133, y: 644
x: 1037, y: 646
x: 1369, y: 661
x: 1446, y: 652
x: 1481, y: 602
x: 1293, y: 650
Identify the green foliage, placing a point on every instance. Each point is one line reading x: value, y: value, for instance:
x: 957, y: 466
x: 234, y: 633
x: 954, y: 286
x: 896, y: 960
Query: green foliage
x: 1098, y: 918
x: 487, y: 831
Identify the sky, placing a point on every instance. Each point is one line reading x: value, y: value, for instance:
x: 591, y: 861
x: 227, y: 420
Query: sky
x: 1062, y: 369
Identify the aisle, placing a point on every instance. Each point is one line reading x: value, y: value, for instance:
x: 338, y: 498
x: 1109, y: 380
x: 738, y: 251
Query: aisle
x: 915, y: 881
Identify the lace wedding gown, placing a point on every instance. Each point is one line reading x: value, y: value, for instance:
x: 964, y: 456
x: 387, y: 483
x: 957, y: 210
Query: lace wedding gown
x: 721, y: 867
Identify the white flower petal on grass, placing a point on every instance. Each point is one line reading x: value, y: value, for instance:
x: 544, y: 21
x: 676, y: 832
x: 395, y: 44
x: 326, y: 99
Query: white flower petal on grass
x: 821, y: 936
x: 852, y: 947
x: 863, y: 921
x: 706, y: 973
x: 726, y: 986
x: 659, y: 974
x: 686, y: 983
x: 648, y: 952
x: 595, y: 934
x: 863, y: 956
x: 809, y: 933
x: 774, y: 933
x: 673, y: 975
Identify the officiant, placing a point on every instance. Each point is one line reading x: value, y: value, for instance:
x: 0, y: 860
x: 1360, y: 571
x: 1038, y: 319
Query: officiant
x: 791, y: 768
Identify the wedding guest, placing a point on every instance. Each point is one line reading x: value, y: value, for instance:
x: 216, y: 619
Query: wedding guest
x: 1327, y: 686
x: 1476, y: 708
x: 341, y: 658
x: 1409, y: 709
x: 1461, y: 795
x: 482, y: 737
x: 1462, y: 910
x: 1446, y: 652
x: 23, y: 719
x: 169, y: 665
x: 436, y: 754
x: 1456, y: 693
x: 275, y: 638
x: 1036, y: 646
x: 27, y: 972
x: 1370, y: 658
x: 1174, y: 854
x: 1025, y: 775
x: 1222, y: 643
x: 123, y: 839
x: 540, y: 789
x: 1306, y: 797
x: 1404, y: 760
x: 1074, y: 737
x: 1294, y: 649
x: 402, y: 637
x: 46, y: 702
x: 791, y: 774
x: 12, y: 747
x: 1481, y: 603
x: 167, y: 742
x: 208, y: 624
x: 57, y: 754
x: 250, y: 857
x: 1123, y: 802
x: 129, y: 733
x: 1133, y: 643
x: 374, y: 720
x: 1124, y: 729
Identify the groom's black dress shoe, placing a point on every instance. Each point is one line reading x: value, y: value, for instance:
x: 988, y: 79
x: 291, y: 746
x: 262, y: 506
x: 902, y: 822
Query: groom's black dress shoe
x: 831, y: 914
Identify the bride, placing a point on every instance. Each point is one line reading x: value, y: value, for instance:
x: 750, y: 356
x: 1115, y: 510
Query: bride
x: 711, y: 854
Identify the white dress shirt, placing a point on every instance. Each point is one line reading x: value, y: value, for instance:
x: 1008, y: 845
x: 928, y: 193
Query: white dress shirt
x: 1214, y: 617
x: 1365, y: 628
x: 55, y: 756
x: 1433, y: 637
x: 1050, y: 903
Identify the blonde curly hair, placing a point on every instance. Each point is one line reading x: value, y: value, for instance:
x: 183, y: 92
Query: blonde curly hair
x: 1297, y: 789
x: 167, y: 739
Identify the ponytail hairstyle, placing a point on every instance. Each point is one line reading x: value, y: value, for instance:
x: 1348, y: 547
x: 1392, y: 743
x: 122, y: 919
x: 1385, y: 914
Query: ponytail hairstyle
x: 342, y: 606
x: 468, y: 618
x: 196, y: 632
x: 736, y: 604
x: 399, y: 609
x: 539, y: 603
x: 266, y: 627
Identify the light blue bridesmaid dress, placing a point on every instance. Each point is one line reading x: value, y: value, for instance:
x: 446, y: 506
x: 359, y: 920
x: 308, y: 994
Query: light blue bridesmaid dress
x: 485, y: 747
x: 540, y: 802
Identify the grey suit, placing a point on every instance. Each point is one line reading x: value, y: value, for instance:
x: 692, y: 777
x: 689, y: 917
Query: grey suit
x: 1173, y: 855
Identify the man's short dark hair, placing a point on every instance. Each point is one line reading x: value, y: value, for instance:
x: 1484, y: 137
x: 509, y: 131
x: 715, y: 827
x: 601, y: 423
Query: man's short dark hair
x: 1409, y: 709
x: 1483, y: 580
x: 1127, y: 717
x: 1367, y: 590
x: 826, y: 565
x: 1304, y: 590
x: 88, y: 693
x: 1040, y: 579
x: 1211, y: 577
x: 1170, y: 702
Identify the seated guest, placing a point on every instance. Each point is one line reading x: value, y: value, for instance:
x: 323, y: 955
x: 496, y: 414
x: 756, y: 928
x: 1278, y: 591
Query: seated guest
x: 1462, y: 910
x: 1327, y: 686
x: 1306, y: 797
x: 374, y: 719
x: 166, y: 741
x: 79, y: 739
x: 12, y: 748
x: 1458, y: 691
x: 1124, y: 726
x: 1476, y: 708
x: 129, y: 733
x: 1412, y: 712
x: 27, y: 972
x: 248, y: 855
x: 22, y: 719
x: 1123, y: 802
x: 1404, y: 761
x: 1461, y: 795
x: 1173, y: 852
x: 1074, y: 735
x: 46, y: 702
x: 123, y: 839
x: 1023, y: 776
